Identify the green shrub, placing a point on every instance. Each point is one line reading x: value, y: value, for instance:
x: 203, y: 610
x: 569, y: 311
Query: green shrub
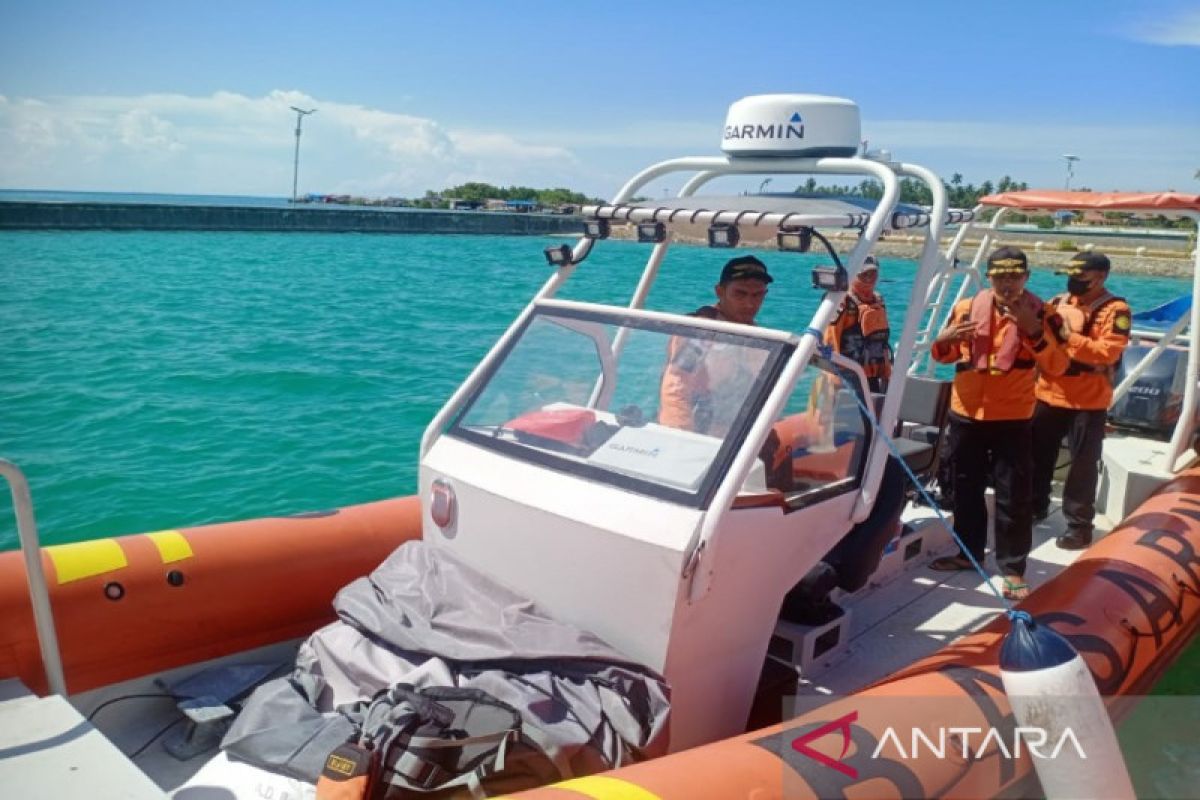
x: 1066, y: 244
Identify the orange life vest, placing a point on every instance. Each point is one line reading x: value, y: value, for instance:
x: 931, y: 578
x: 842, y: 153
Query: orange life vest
x: 860, y: 332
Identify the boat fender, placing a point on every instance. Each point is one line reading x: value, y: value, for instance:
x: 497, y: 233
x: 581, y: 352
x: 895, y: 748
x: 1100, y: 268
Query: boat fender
x: 1060, y: 715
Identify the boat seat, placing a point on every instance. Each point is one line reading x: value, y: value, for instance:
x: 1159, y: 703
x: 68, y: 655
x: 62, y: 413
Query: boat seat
x: 918, y: 455
x: 924, y: 407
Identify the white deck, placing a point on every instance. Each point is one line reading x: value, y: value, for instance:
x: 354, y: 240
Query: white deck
x: 49, y: 751
x: 919, y: 611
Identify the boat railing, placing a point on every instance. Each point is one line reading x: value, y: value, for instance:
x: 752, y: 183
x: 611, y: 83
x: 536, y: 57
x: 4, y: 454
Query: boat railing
x: 39, y: 595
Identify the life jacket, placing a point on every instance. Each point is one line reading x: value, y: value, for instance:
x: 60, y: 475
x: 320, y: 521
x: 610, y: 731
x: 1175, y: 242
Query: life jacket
x: 993, y: 350
x: 1083, y: 317
x: 422, y: 740
x: 864, y: 335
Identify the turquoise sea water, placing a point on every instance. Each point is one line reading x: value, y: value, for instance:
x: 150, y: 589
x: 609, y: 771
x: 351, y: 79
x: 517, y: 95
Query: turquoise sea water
x: 154, y: 380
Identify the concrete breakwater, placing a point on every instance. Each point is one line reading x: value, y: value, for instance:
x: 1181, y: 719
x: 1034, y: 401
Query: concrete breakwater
x: 168, y: 217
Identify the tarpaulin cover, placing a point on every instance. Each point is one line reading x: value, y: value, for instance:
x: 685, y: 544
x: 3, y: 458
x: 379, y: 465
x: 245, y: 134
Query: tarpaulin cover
x: 425, y: 619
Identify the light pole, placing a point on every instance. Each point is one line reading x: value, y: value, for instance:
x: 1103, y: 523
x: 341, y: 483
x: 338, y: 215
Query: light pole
x: 300, y: 115
x: 763, y: 185
x: 1070, y: 159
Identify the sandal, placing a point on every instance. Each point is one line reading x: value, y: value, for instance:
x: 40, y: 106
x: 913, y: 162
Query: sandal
x: 951, y: 563
x: 1015, y: 588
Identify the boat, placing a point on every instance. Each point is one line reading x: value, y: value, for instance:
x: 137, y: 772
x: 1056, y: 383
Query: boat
x: 550, y: 471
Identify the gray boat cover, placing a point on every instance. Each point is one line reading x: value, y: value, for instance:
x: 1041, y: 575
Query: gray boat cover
x: 426, y: 619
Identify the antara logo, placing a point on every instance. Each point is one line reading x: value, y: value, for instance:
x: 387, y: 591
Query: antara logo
x: 792, y: 129
x: 956, y: 741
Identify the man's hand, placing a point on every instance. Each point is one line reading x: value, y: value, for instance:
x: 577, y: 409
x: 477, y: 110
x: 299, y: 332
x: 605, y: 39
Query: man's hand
x: 1028, y: 318
x: 957, y: 332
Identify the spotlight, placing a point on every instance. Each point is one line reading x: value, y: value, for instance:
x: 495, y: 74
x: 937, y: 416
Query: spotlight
x: 559, y: 256
x: 596, y: 228
x: 831, y: 279
x: 795, y: 239
x: 722, y: 234
x: 651, y: 232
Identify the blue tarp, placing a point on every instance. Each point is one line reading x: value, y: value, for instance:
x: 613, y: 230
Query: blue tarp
x: 1164, y: 316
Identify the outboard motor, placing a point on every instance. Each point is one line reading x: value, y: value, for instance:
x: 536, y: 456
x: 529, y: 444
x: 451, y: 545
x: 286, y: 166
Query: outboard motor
x: 1153, y: 403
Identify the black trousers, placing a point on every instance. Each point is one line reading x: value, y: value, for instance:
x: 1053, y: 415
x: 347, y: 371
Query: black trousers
x: 1005, y: 448
x: 1085, y: 441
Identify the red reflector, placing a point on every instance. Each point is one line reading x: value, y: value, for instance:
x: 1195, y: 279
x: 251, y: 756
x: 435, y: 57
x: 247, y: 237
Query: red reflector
x: 441, y: 503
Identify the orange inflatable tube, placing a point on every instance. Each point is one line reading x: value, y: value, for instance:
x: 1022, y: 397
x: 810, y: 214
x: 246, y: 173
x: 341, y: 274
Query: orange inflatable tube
x: 1129, y: 606
x: 135, y: 605
x: 138, y: 604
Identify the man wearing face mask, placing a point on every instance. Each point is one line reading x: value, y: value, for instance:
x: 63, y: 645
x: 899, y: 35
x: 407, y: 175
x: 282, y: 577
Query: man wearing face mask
x: 1094, y: 331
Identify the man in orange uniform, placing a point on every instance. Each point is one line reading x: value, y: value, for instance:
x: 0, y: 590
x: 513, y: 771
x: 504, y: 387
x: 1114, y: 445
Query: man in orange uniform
x: 995, y: 340
x: 702, y: 388
x: 860, y: 330
x: 1094, y: 333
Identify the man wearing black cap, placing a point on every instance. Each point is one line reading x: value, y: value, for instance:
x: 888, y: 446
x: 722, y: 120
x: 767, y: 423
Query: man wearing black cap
x: 691, y: 393
x: 740, y: 292
x: 1093, y: 326
x: 995, y: 340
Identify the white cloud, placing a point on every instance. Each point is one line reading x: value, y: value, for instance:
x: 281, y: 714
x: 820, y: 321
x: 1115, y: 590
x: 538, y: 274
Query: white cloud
x: 139, y: 129
x: 1179, y: 30
x: 228, y: 143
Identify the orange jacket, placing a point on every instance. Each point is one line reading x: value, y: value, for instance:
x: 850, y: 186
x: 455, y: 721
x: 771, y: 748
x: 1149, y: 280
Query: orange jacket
x: 860, y: 332
x: 1095, y: 334
x: 992, y: 394
x: 705, y: 383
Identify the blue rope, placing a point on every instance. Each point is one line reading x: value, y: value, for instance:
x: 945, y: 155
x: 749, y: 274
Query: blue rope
x: 826, y: 352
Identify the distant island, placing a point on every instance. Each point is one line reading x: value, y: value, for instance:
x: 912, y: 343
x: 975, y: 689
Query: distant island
x: 474, y: 196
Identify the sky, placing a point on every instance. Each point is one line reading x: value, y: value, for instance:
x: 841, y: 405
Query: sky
x: 193, y: 97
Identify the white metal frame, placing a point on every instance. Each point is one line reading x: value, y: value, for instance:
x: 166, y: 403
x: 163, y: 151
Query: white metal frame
x: 39, y: 595
x: 708, y: 168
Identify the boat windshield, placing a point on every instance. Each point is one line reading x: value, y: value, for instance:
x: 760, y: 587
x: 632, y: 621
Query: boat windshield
x: 655, y: 407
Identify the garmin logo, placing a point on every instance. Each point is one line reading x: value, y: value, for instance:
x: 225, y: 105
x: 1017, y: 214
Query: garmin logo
x: 637, y: 451
x: 792, y: 129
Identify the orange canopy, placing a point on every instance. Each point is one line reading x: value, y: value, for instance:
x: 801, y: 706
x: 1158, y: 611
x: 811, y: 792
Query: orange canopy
x: 1109, y: 201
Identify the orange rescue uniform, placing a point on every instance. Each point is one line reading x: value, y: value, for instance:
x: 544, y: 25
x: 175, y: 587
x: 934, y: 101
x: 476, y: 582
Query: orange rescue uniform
x: 705, y: 383
x: 993, y: 394
x: 1096, y: 334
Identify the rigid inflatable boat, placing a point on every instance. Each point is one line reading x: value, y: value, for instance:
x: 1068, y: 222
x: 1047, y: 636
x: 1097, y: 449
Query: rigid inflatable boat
x: 551, y: 471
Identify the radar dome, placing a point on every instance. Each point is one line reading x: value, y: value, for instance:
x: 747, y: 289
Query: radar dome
x: 792, y: 125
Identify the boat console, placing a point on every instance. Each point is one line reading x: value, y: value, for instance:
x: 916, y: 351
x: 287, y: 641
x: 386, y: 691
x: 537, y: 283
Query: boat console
x: 558, y: 467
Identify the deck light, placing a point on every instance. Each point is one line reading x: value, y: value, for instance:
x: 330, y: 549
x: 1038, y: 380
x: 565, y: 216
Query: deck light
x: 559, y: 256
x: 795, y: 239
x: 830, y: 278
x: 651, y: 232
x: 722, y: 234
x: 596, y: 228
